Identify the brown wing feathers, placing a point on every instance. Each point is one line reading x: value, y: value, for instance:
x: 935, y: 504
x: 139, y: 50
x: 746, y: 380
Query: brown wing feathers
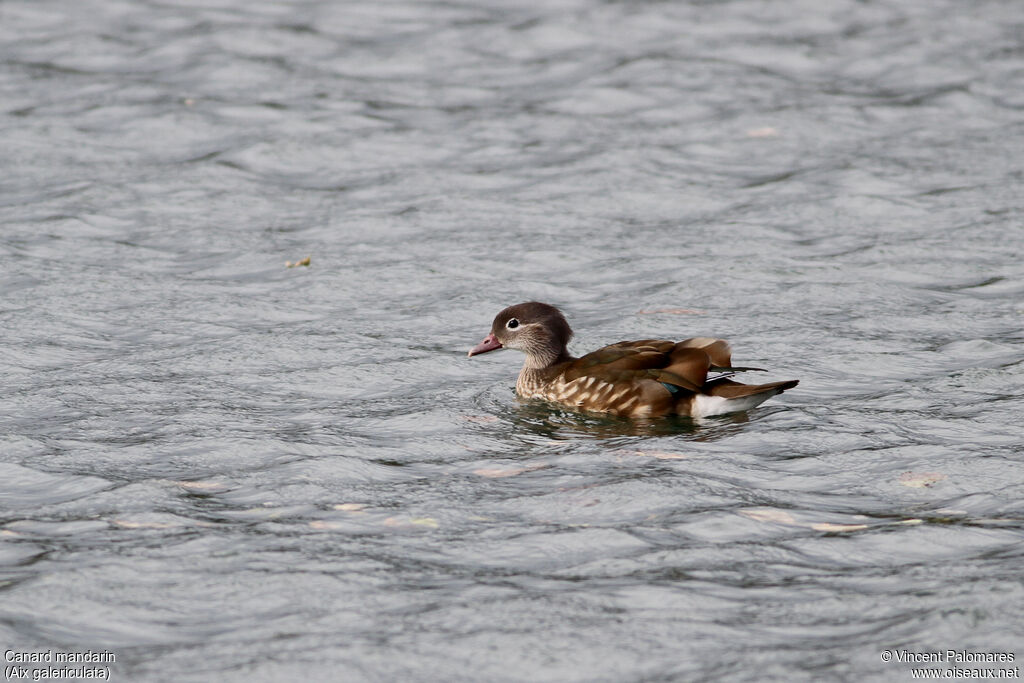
x: 682, y: 364
x: 717, y: 349
x: 729, y: 389
x: 691, y: 364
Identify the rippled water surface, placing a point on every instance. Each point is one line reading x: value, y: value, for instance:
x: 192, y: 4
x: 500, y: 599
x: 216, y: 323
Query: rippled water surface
x: 217, y: 467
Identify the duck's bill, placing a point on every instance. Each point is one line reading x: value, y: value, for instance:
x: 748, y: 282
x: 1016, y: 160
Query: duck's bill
x: 489, y: 344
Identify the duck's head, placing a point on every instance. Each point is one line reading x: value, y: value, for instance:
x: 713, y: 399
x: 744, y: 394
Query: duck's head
x: 538, y: 330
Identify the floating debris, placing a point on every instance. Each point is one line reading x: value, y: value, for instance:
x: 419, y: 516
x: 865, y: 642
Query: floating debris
x: 133, y: 524
x: 920, y: 480
x: 500, y: 472
x: 428, y: 522
x: 202, y: 485
x: 776, y: 516
x: 827, y: 526
x: 660, y: 455
x: 303, y: 262
x: 766, y: 132
x: 769, y: 515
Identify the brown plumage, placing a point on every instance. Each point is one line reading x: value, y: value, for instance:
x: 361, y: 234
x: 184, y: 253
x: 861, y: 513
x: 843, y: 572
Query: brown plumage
x: 647, y: 378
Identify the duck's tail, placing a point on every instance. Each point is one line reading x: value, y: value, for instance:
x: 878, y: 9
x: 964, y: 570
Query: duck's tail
x: 723, y: 396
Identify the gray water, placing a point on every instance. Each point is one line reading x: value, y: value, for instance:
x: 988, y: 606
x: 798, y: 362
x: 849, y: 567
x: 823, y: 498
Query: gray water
x: 217, y: 467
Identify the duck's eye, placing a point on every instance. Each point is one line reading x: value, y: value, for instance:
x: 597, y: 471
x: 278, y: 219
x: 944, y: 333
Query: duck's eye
x: 512, y: 323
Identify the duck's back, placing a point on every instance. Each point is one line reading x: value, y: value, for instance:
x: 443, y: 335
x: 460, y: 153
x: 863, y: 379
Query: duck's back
x: 648, y: 378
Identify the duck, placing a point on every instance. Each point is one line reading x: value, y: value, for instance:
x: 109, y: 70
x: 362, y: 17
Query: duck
x: 633, y: 379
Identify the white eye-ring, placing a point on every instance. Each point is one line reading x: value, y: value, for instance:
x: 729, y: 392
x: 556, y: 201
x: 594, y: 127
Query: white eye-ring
x: 512, y: 323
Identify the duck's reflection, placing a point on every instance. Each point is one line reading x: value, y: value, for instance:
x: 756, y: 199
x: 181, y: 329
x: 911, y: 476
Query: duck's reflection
x: 545, y: 419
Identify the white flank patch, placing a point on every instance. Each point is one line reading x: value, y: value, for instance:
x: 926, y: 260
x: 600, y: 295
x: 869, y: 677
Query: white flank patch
x: 706, y: 406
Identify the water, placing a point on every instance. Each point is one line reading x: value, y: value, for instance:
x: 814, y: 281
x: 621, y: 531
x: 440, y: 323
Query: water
x: 216, y: 467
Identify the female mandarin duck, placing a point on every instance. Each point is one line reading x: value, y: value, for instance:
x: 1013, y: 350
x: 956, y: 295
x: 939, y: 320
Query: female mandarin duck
x: 648, y: 378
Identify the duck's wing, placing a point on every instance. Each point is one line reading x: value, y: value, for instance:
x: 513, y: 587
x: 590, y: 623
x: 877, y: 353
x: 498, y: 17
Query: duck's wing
x: 658, y: 360
x: 653, y: 377
x: 720, y: 353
